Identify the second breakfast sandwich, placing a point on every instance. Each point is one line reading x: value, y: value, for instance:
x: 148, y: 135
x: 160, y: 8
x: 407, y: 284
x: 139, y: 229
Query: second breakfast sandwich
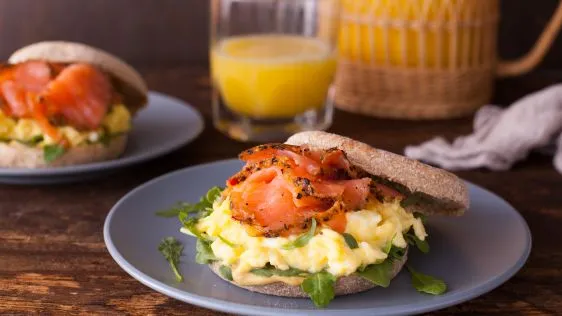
x: 321, y: 215
x: 65, y: 103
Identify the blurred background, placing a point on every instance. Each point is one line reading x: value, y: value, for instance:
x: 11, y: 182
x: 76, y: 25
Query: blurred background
x: 175, y: 32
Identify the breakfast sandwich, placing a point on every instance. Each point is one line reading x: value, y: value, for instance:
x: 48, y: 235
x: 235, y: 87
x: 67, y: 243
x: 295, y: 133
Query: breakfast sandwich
x: 64, y: 103
x: 319, y: 216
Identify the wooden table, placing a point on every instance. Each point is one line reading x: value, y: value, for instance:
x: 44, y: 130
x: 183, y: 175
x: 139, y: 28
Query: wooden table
x: 53, y: 260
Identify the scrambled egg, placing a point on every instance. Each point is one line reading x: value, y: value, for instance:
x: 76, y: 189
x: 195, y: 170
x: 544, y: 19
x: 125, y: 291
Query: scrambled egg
x: 117, y: 121
x: 373, y: 228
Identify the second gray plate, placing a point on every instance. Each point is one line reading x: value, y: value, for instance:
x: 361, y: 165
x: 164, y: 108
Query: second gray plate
x: 166, y: 124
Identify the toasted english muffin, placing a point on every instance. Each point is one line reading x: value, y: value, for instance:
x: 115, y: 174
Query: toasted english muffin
x: 440, y: 192
x: 344, y: 285
x: 16, y: 155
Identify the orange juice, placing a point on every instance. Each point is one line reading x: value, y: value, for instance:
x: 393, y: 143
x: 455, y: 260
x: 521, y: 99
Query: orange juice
x: 272, y: 76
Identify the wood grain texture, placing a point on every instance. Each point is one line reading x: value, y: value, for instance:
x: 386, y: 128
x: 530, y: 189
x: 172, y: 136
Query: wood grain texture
x: 53, y: 260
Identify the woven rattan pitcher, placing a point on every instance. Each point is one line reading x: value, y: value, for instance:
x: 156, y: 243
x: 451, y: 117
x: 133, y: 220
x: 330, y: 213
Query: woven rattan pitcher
x: 424, y: 59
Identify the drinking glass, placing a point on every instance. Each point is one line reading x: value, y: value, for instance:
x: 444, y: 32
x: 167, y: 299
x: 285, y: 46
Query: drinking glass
x: 272, y: 65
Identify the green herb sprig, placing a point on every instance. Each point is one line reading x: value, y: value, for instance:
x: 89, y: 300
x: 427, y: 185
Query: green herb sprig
x: 172, y: 249
x: 189, y: 215
x: 173, y: 211
x: 52, y: 152
x: 320, y: 287
x: 205, y: 254
x: 427, y: 284
x: 350, y: 241
x: 226, y: 272
x: 269, y: 271
x: 201, y: 209
x: 380, y: 274
x: 302, y: 240
x: 191, y: 225
x: 34, y: 141
x: 413, y: 240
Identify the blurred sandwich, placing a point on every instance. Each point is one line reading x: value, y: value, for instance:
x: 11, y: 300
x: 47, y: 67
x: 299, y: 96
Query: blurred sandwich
x: 64, y: 103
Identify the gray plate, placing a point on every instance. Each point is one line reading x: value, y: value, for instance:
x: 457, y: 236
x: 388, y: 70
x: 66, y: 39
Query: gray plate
x: 166, y: 124
x: 473, y: 254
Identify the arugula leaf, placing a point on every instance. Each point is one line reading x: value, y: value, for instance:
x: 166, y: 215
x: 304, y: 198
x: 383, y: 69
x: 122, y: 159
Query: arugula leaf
x: 204, y: 254
x: 320, y: 287
x: 202, y: 213
x: 302, y: 240
x: 183, y: 214
x: 226, y: 272
x: 36, y: 140
x: 200, y: 209
x: 270, y: 270
x: 412, y: 239
x: 52, y: 152
x: 177, y: 209
x: 172, y: 249
x: 190, y: 224
x: 396, y: 253
x: 422, y: 245
x: 203, y: 208
x: 171, y: 212
x: 388, y: 245
x: 380, y: 274
x: 105, y: 137
x: 228, y: 242
x: 426, y: 283
x: 213, y: 194
x: 350, y: 241
x: 33, y: 141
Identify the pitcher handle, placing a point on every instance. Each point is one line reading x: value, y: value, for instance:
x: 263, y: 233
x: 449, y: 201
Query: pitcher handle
x: 534, y: 57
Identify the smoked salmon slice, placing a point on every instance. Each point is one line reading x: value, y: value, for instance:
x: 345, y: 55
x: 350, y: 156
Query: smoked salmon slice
x: 81, y: 94
x: 17, y: 82
x: 15, y: 98
x: 77, y: 94
x: 32, y: 76
x: 283, y: 187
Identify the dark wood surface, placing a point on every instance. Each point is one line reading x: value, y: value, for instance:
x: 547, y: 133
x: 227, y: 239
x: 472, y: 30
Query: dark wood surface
x: 53, y: 260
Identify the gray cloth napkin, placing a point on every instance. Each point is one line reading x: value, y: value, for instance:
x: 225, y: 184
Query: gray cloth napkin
x: 502, y: 137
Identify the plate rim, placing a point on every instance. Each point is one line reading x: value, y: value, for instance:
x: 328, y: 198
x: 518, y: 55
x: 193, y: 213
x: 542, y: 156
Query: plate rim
x: 239, y: 308
x: 120, y: 162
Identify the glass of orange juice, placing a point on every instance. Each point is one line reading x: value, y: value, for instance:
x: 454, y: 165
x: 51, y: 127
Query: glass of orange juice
x: 272, y: 65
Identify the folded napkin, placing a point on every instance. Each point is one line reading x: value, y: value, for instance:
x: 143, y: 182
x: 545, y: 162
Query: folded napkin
x: 502, y: 137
